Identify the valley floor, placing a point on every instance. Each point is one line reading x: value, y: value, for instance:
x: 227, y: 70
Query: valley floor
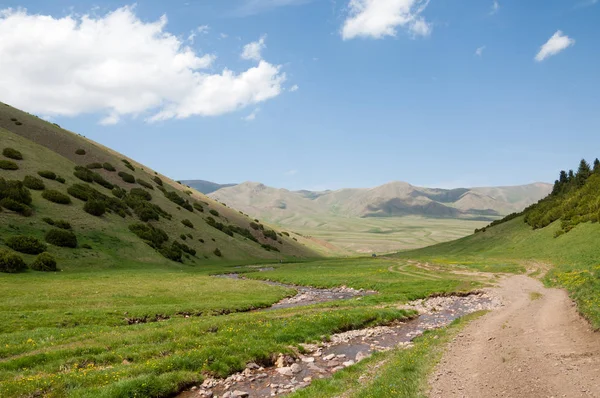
x: 535, y: 346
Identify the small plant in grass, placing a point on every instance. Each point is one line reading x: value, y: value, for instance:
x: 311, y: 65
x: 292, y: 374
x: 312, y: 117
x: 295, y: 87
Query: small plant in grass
x: 17, y: 207
x: 56, y: 197
x: 12, y: 153
x: 86, y: 246
x: 62, y: 224
x: 16, y: 190
x: 127, y: 177
x: 218, y: 253
x: 8, y: 165
x: 18, y: 123
x: 214, y: 212
x: 183, y: 237
x: 94, y: 165
x: 201, y: 240
x: 11, y: 262
x: 26, y: 244
x: 108, y: 167
x: 119, y: 192
x: 198, y: 207
x: 187, y: 223
x: 128, y: 164
x: 34, y: 183
x: 140, y: 193
x: 153, y: 236
x: 84, y: 174
x: 158, y: 181
x: 60, y: 179
x: 145, y: 184
x: 80, y: 151
x: 94, y: 207
x: 62, y: 238
x: 47, y: 174
x: 44, y: 262
x: 172, y: 252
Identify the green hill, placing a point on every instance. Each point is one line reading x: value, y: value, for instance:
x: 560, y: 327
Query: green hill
x: 561, y: 231
x: 119, y: 212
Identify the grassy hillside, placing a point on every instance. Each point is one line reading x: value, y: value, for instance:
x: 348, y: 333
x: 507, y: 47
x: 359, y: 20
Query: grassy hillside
x: 178, y: 222
x: 562, y: 230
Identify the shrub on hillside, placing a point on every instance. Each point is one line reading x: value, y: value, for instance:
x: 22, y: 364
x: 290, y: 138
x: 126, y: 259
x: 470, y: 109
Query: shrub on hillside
x: 254, y: 225
x: 185, y: 248
x: 84, y: 174
x: 81, y: 191
x: 198, y: 207
x: 145, y: 184
x: 62, y: 224
x: 172, y: 252
x: 11, y: 262
x: 157, y: 180
x: 218, y: 253
x: 80, y: 151
x: 60, y: 179
x: 269, y: 248
x: 94, y: 165
x: 128, y: 164
x: 269, y: 233
x: 62, y: 238
x: 50, y: 175
x: 13, y: 205
x: 56, y: 197
x: 86, y: 246
x: 8, y: 165
x: 127, y: 177
x: 173, y: 197
x: 94, y: 207
x: 98, y: 179
x: 15, y: 190
x: 119, y: 192
x: 140, y: 193
x: 26, y: 244
x: 183, y: 237
x: 187, y: 223
x: 44, y: 262
x: 214, y: 212
x: 34, y: 183
x: 153, y: 236
x: 108, y: 167
x: 12, y: 153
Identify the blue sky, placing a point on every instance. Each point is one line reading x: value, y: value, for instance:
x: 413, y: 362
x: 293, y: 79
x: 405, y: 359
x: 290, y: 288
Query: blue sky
x: 332, y: 97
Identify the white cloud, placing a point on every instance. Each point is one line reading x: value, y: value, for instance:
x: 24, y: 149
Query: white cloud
x: 253, y: 50
x: 252, y: 115
x: 294, y: 88
x: 118, y: 65
x: 203, y: 29
x: 291, y: 172
x: 479, y: 51
x: 199, y: 30
x: 380, y: 18
x: 495, y: 7
x: 557, y: 43
x: 224, y: 35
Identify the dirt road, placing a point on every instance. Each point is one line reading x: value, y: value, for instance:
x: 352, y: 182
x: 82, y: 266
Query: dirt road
x: 535, y: 346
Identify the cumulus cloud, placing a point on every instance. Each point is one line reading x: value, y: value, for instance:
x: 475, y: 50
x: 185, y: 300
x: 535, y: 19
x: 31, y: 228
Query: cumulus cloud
x: 380, y: 18
x: 295, y: 87
x: 252, y: 115
x: 118, y: 65
x: 557, y: 43
x: 253, y: 50
x: 479, y: 51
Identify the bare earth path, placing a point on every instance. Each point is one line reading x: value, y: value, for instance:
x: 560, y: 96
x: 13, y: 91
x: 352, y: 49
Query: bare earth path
x: 532, y: 347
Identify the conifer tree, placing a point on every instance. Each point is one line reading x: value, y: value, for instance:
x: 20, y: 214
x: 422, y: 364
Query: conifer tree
x: 583, y: 172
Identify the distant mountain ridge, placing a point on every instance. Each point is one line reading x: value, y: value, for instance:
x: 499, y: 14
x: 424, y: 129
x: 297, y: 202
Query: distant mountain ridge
x: 205, y: 187
x: 394, y: 199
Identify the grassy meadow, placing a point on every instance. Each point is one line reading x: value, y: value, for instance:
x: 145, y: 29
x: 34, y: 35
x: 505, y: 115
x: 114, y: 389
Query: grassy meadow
x: 69, y: 333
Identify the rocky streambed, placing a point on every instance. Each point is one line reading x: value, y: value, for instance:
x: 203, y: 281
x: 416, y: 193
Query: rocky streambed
x: 289, y: 374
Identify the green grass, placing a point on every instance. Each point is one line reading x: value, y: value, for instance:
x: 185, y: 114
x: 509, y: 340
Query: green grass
x: 399, y: 373
x: 66, y: 333
x: 513, y: 244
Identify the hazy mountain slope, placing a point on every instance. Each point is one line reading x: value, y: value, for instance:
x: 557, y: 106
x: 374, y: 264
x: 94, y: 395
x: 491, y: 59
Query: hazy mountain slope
x: 389, y: 200
x: 45, y: 146
x: 205, y: 187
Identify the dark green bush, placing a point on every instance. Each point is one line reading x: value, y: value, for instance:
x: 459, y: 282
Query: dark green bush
x: 94, y: 165
x: 26, y: 244
x: 50, y: 175
x: 187, y: 223
x: 13, y: 205
x: 127, y: 164
x: 82, y: 191
x: 34, y: 183
x: 108, y: 167
x: 62, y: 224
x: 84, y: 174
x: 269, y: 248
x: 269, y: 233
x: 15, y: 190
x: 198, y: 207
x: 80, y: 152
x: 286, y: 233
x: 201, y: 240
x: 98, y: 179
x: 62, y: 238
x: 185, y: 248
x: 95, y: 207
x: 214, y: 212
x: 8, y: 165
x: 145, y: 184
x: 56, y: 197
x: 119, y: 192
x: 218, y: 253
x: 172, y: 252
x: 158, y: 181
x: 254, y: 225
x: 189, y: 236
x: 12, y: 154
x: 127, y: 177
x: 86, y: 246
x: 173, y: 197
x: 11, y: 262
x: 183, y: 237
x: 60, y: 179
x: 153, y: 236
x: 44, y: 262
x: 140, y: 193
